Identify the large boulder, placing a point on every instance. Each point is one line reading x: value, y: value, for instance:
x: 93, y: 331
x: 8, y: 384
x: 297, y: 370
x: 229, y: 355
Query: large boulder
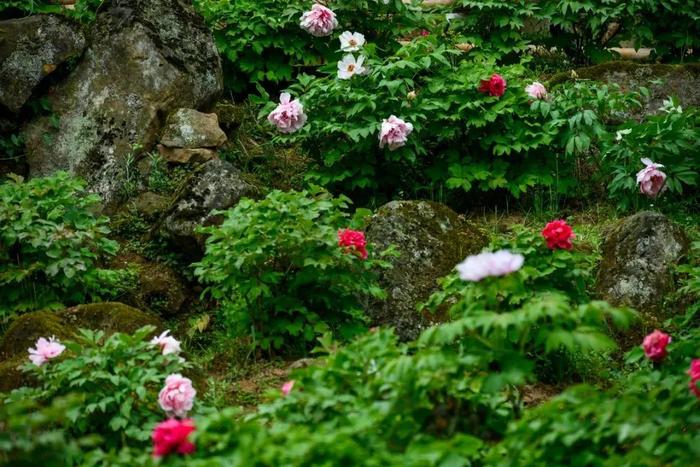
x: 32, y: 48
x: 636, y: 270
x: 25, y: 330
x: 190, y: 129
x: 216, y: 186
x: 146, y: 59
x: 431, y: 240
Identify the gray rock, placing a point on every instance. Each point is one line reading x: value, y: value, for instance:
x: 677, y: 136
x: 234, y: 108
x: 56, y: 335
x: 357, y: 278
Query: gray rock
x: 217, y: 186
x: 32, y: 48
x: 146, y: 59
x: 186, y: 156
x: 431, y: 240
x: 150, y: 205
x: 190, y: 129
x: 639, y: 253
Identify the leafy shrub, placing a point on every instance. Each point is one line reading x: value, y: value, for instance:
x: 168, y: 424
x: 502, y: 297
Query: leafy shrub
x: 262, y: 42
x: 276, y: 269
x: 649, y: 417
x: 51, y: 243
x: 116, y: 378
x: 671, y: 138
x: 84, y: 10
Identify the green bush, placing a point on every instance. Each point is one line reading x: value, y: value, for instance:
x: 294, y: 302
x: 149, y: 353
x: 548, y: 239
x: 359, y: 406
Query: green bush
x: 116, y: 380
x: 84, y: 10
x: 51, y: 244
x: 278, y: 274
x: 261, y: 40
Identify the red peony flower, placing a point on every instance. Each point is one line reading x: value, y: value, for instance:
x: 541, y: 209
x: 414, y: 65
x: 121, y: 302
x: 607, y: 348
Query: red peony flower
x: 654, y: 345
x: 353, y: 240
x: 694, y: 372
x: 558, y: 234
x: 171, y: 436
x: 494, y: 86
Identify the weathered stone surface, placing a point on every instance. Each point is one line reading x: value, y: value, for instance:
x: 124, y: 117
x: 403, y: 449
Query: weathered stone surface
x: 662, y: 80
x: 146, y: 59
x: 110, y: 317
x: 32, y: 48
x: 639, y: 253
x: 431, y: 240
x: 150, y: 204
x: 186, y: 156
x: 217, y: 186
x: 190, y: 129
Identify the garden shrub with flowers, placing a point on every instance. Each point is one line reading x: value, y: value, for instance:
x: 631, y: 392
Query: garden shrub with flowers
x: 288, y: 268
x: 519, y: 363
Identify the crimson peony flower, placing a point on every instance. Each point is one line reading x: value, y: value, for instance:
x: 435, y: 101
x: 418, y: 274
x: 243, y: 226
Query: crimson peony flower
x: 694, y: 372
x: 651, y: 180
x: 353, y: 240
x: 558, y: 234
x: 319, y: 21
x: 654, y: 345
x: 494, y: 86
x: 45, y: 350
x: 289, y: 115
x: 171, y: 436
x: 394, y: 132
x: 177, y: 397
x: 500, y: 263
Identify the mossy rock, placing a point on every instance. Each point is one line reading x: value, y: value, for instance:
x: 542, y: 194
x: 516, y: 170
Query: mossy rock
x: 12, y: 377
x: 639, y: 254
x: 682, y: 81
x: 109, y: 317
x: 431, y: 240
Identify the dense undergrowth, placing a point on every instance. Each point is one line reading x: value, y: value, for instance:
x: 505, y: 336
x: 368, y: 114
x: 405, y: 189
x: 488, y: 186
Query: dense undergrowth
x: 412, y: 105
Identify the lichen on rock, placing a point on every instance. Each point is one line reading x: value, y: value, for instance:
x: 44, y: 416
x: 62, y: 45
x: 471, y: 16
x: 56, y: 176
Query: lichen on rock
x: 431, y: 240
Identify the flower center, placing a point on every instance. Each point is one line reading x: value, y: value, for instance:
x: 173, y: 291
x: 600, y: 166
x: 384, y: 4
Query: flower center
x: 353, y: 42
x: 351, y: 68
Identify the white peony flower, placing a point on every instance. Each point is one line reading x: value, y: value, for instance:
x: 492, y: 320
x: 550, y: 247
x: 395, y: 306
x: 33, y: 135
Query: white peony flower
x: 349, y: 67
x: 351, y: 41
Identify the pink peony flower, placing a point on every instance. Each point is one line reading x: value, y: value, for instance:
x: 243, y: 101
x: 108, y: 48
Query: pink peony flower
x: 494, y: 86
x: 319, y: 21
x: 287, y: 387
x: 353, y: 240
x: 177, y: 396
x: 536, y: 90
x: 172, y: 436
x: 651, y: 180
x: 424, y: 32
x: 289, y: 115
x: 45, y: 350
x: 394, y: 133
x: 499, y: 263
x: 168, y: 344
x: 654, y: 345
x: 558, y: 234
x: 694, y: 372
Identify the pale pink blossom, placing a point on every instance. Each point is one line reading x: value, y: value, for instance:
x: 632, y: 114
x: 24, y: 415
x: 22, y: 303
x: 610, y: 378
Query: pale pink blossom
x: 349, y: 66
x: 45, y: 350
x: 319, y: 21
x: 394, y: 133
x: 499, y: 263
x: 536, y: 90
x: 168, y: 344
x: 651, y: 180
x: 177, y: 396
x: 351, y: 41
x: 289, y: 115
x: 287, y: 387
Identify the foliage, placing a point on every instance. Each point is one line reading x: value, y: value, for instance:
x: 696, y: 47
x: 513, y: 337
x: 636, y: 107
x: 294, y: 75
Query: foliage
x: 117, y: 379
x: 648, y: 418
x: 262, y: 42
x: 84, y: 10
x: 278, y: 274
x: 671, y: 138
x: 51, y: 243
